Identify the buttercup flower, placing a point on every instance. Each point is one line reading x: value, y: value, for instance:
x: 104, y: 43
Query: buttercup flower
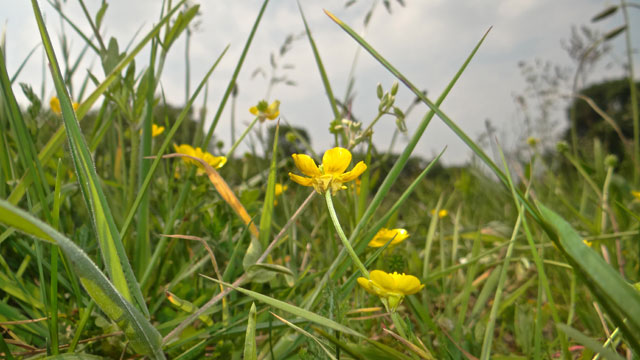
x: 265, y: 111
x: 279, y: 190
x: 216, y: 162
x: 384, y: 235
x: 331, y: 174
x: 156, y: 130
x: 390, y: 288
x: 54, y: 103
x: 636, y: 194
x: 441, y: 214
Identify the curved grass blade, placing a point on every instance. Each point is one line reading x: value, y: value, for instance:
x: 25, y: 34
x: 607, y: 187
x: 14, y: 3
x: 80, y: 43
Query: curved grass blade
x: 588, y: 342
x: 112, y: 249
x: 619, y: 298
x: 292, y: 309
x: 143, y: 337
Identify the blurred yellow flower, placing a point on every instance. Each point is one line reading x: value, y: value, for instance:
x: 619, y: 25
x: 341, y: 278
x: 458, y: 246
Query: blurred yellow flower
x: 384, y: 235
x: 279, y: 190
x: 441, y: 214
x: 331, y: 174
x: 54, y: 103
x: 636, y: 194
x: 391, y: 288
x: 156, y: 130
x: 216, y: 162
x: 265, y: 111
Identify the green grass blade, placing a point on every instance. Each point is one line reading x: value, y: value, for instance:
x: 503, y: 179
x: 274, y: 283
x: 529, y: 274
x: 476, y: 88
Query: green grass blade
x: 113, y: 253
x: 323, y: 73
x: 143, y: 337
x: 588, y: 342
x: 292, y: 309
x: 619, y: 298
x: 250, y: 349
x: 232, y: 81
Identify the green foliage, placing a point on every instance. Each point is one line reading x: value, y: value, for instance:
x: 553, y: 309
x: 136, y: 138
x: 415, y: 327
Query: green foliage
x: 526, y: 266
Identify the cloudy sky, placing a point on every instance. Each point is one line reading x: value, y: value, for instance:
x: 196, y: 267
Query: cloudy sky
x: 427, y: 40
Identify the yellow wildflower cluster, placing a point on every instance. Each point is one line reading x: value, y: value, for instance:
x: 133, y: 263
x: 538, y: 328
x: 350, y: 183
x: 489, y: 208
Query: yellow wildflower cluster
x: 265, y: 111
x: 216, y: 162
x: 331, y: 174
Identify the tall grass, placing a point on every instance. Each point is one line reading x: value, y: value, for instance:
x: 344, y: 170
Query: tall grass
x: 114, y: 246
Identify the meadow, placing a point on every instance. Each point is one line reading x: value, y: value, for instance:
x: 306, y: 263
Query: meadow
x: 126, y: 232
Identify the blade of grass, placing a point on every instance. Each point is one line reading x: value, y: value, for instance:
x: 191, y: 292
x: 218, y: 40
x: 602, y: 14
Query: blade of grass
x: 112, y: 249
x: 292, y: 309
x: 250, y: 350
x: 323, y: 73
x: 143, y: 337
x: 232, y: 81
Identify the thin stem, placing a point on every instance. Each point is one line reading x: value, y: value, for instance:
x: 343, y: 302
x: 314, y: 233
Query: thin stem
x: 246, y: 131
x: 397, y: 321
x: 343, y: 237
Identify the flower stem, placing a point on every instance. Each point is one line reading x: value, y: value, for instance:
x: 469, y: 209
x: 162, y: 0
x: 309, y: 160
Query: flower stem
x: 342, y: 236
x: 246, y: 131
x: 397, y: 321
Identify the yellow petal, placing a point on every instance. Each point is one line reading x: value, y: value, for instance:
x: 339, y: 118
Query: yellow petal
x: 382, y: 279
x: 335, y: 161
x: 354, y: 173
x: 304, y: 181
x: 366, y: 284
x: 380, y: 238
x: 156, y: 130
x: 273, y: 110
x: 75, y: 106
x: 406, y: 284
x: 306, y: 165
x: 55, y: 105
x: 254, y: 110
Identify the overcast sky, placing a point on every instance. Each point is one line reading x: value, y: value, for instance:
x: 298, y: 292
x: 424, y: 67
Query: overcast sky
x: 426, y: 40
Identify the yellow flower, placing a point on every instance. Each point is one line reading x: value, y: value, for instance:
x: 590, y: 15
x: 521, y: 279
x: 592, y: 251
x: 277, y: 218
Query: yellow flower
x: 441, y: 214
x: 55, y: 105
x: 265, y: 111
x: 216, y: 162
x: 636, y: 194
x: 391, y: 288
x: 279, y: 190
x: 156, y: 130
x: 331, y: 174
x: 384, y: 235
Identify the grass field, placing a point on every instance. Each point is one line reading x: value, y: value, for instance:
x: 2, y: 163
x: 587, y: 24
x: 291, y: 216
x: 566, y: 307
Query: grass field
x: 126, y: 232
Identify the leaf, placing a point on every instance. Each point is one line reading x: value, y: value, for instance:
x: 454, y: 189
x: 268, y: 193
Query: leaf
x: 589, y: 342
x: 112, y: 249
x: 181, y: 23
x: 250, y: 349
x: 292, y: 309
x: 143, y: 337
x: 619, y: 298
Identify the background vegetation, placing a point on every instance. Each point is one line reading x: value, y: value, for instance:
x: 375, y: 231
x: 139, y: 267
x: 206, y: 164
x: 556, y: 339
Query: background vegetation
x: 109, y: 250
